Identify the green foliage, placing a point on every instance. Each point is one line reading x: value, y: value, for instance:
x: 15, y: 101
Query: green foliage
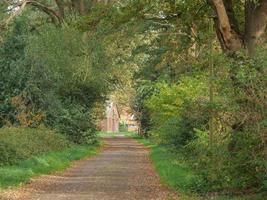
x: 176, y: 172
x: 11, y: 57
x: 49, y: 86
x: 173, y: 168
x: 77, y: 124
x: 123, y: 127
x: 234, y: 158
x: 18, y: 144
x: 44, y: 164
x: 172, y: 110
x: 58, y: 76
x: 143, y: 92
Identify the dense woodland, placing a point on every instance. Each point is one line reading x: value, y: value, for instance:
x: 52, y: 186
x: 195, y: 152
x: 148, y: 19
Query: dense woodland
x: 194, y: 73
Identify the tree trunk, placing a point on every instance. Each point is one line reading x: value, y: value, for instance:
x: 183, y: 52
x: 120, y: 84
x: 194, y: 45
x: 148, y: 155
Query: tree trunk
x: 79, y: 6
x: 227, y: 30
x: 226, y: 27
x: 60, y: 5
x: 255, y: 23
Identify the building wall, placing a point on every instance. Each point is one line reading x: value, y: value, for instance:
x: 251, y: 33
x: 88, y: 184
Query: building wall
x: 112, y: 120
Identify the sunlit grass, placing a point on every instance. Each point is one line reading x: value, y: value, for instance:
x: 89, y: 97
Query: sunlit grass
x: 177, y: 174
x: 44, y: 164
x: 171, y: 168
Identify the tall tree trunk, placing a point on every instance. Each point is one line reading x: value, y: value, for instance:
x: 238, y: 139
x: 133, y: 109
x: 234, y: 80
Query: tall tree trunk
x: 76, y: 5
x: 82, y: 8
x: 226, y: 27
x: 255, y: 23
x: 61, y: 10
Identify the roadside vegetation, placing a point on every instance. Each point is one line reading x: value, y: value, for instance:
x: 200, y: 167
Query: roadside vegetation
x: 27, y: 153
x: 52, y: 93
x: 193, y: 72
x: 18, y: 144
x: 24, y: 171
x: 176, y: 172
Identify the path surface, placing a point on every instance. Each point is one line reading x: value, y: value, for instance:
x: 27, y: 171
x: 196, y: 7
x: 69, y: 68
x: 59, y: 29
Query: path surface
x: 122, y: 171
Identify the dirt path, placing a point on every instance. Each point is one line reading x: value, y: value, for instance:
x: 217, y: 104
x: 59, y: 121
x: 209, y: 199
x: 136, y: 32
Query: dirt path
x: 122, y: 171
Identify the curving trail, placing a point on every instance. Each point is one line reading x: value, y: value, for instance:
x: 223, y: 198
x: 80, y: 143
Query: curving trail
x: 122, y: 171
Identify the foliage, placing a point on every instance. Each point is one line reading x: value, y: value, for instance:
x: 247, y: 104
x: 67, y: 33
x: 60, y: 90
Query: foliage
x: 174, y: 57
x: 18, y: 144
x: 44, y: 164
x: 78, y: 125
x: 144, y: 91
x: 172, y: 110
x: 50, y: 87
x: 176, y: 172
x: 189, y: 94
x: 233, y: 158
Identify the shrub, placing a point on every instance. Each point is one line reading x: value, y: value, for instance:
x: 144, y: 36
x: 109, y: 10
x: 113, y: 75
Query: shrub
x: 43, y: 164
x: 18, y: 144
x: 175, y: 110
x: 77, y: 124
x: 55, y: 87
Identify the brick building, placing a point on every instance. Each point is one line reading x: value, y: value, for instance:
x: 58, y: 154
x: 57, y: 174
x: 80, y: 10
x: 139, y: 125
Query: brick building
x: 111, y: 122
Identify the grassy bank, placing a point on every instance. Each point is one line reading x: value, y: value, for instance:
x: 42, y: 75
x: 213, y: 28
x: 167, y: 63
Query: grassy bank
x: 18, y: 143
x: 43, y: 164
x: 177, y: 174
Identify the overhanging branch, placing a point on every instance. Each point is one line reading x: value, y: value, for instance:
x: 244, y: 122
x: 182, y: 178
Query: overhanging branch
x: 55, y: 17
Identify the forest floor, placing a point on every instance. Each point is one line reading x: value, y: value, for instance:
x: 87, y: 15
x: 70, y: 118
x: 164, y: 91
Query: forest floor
x: 122, y: 170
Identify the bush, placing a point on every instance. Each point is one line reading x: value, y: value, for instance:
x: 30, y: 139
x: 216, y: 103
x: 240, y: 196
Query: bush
x: 175, y: 110
x: 58, y: 87
x: 43, y: 164
x: 235, y: 159
x: 18, y: 144
x: 77, y: 124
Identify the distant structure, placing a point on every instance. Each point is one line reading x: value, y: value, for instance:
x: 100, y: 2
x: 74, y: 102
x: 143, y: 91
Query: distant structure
x: 111, y: 123
x: 128, y: 119
x: 113, y: 119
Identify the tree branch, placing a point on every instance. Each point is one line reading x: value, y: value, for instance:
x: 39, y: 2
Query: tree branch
x: 56, y: 19
x: 163, y: 18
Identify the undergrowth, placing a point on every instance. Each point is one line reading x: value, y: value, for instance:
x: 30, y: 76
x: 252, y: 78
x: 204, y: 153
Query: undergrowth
x: 43, y: 164
x: 176, y: 173
x: 17, y: 144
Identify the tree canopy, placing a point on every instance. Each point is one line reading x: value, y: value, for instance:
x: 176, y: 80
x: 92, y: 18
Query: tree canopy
x: 193, y: 73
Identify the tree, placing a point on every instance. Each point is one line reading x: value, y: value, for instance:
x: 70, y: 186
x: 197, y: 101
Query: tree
x: 228, y: 28
x: 56, y: 9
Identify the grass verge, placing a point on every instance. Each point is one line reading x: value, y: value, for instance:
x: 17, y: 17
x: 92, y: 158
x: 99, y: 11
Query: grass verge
x: 18, y: 144
x: 102, y: 134
x: 43, y: 164
x: 175, y: 173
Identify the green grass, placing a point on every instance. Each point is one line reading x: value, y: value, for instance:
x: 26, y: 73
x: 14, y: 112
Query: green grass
x: 172, y: 169
x: 103, y: 134
x: 43, y: 164
x: 18, y: 144
x: 177, y: 174
x: 261, y: 196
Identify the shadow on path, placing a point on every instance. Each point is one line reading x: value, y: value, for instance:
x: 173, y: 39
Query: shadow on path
x: 122, y: 171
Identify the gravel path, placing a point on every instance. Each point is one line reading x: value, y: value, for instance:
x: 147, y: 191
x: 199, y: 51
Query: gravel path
x: 122, y: 171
